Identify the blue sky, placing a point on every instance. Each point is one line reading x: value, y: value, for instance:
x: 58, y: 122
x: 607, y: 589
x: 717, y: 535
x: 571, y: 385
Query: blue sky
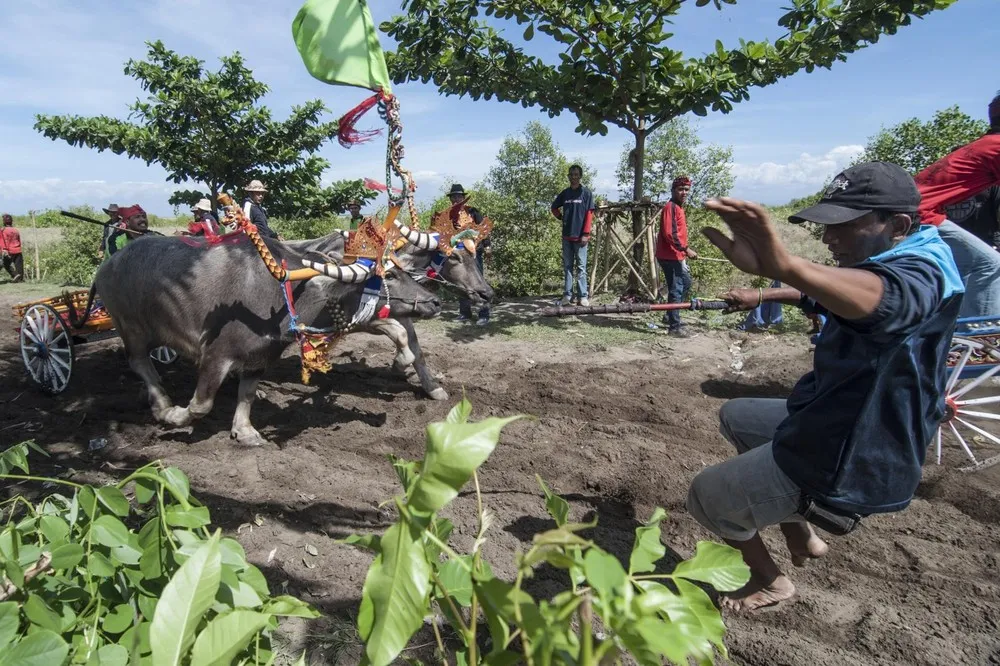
x: 66, y: 57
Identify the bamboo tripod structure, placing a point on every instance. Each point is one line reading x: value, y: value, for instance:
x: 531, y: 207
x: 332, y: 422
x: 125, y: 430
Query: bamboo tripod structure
x: 612, y: 241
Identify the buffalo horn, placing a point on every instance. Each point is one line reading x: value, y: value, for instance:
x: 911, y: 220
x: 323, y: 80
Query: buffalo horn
x: 350, y: 273
x: 422, y: 239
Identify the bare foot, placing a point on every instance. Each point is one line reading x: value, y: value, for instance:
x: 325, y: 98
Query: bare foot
x: 815, y: 548
x: 803, y: 543
x: 754, y: 596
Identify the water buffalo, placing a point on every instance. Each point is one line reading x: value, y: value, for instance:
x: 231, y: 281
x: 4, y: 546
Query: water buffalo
x: 458, y: 271
x: 219, y: 306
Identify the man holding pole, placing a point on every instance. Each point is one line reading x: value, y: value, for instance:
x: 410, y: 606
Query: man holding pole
x: 850, y: 439
x: 672, y: 252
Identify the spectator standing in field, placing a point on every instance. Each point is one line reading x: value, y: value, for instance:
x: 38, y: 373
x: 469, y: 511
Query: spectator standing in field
x: 254, y: 211
x: 354, y: 208
x: 574, y: 206
x: 850, y: 440
x: 205, y: 223
x: 672, y: 252
x: 964, y: 173
x: 10, y: 249
x: 457, y: 197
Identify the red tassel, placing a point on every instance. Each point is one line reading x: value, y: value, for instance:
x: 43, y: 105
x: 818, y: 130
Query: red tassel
x: 431, y: 273
x: 346, y: 134
x: 383, y: 312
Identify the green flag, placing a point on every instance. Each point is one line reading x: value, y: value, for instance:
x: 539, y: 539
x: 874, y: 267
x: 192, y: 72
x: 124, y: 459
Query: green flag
x: 339, y: 45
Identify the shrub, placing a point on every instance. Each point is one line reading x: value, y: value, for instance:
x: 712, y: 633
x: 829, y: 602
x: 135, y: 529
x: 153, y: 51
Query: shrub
x: 416, y: 572
x: 97, y: 578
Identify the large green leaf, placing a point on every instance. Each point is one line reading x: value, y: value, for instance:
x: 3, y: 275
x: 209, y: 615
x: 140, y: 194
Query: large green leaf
x: 41, y: 648
x: 54, y: 528
x: 460, y: 413
x: 498, y: 600
x: 67, y: 556
x: 605, y: 574
x: 287, y: 606
x: 113, y: 655
x: 9, y: 620
x: 454, y: 451
x: 109, y: 531
x: 647, y: 550
x: 113, y: 498
x: 225, y: 636
x: 457, y: 579
x: 557, y: 507
x: 196, y: 516
x: 177, y: 481
x: 185, y: 599
x: 395, y: 596
x: 719, y: 565
x: 697, y: 621
x: 39, y: 614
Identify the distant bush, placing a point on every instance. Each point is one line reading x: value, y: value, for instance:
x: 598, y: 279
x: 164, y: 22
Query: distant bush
x: 52, y: 218
x: 301, y: 228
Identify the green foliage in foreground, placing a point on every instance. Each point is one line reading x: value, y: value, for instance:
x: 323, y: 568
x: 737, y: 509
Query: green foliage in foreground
x: 607, y: 611
x: 98, y: 578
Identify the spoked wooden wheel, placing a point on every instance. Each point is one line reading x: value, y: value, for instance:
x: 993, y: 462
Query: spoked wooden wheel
x: 972, y: 402
x: 46, y: 348
x: 164, y: 355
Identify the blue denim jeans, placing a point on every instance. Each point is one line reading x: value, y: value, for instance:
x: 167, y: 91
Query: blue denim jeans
x: 979, y: 266
x: 574, y: 253
x: 764, y: 314
x: 465, y: 303
x: 677, y: 282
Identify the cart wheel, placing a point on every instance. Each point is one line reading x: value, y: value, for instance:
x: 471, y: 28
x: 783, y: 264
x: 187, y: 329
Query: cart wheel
x: 164, y: 355
x: 972, y: 402
x: 46, y: 348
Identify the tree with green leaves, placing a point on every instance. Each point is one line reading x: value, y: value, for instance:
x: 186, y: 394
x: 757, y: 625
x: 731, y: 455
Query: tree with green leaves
x: 517, y: 193
x: 209, y: 127
x: 673, y: 150
x: 617, y: 66
x: 914, y: 144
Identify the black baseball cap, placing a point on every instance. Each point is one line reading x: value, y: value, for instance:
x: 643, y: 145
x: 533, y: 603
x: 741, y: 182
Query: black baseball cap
x: 861, y: 189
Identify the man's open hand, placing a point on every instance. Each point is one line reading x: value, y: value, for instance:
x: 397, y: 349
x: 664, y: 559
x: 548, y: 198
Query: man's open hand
x: 755, y: 247
x: 741, y: 300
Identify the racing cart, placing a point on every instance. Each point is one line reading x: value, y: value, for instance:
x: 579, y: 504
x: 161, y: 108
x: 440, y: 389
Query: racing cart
x: 47, y: 337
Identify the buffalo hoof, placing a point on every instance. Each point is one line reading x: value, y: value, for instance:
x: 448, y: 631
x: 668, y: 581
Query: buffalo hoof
x: 177, y: 417
x: 404, y: 358
x: 248, y: 437
x: 438, y: 394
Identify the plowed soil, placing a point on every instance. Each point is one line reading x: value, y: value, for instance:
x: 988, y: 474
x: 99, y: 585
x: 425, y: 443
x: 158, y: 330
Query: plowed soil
x: 620, y: 429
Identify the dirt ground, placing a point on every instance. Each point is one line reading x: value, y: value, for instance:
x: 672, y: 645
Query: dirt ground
x: 621, y: 427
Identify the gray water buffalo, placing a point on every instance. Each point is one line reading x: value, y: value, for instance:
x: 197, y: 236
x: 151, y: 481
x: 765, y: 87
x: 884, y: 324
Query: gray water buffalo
x: 218, y: 306
x: 459, y: 271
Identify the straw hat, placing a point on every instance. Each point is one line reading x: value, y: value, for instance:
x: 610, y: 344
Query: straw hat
x: 255, y: 186
x: 204, y: 205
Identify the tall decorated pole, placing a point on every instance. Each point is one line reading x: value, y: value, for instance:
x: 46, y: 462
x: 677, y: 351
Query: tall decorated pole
x: 339, y: 46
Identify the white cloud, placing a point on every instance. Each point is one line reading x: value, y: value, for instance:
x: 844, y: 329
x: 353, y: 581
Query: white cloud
x: 23, y: 195
x: 807, y: 169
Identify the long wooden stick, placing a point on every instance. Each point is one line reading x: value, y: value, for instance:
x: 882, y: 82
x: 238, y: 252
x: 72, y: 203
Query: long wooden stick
x: 38, y: 264
x: 629, y: 308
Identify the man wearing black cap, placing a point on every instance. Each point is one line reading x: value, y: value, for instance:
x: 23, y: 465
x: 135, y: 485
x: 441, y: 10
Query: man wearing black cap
x: 850, y: 439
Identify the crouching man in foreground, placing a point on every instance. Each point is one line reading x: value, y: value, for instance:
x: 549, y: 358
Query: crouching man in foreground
x: 850, y: 439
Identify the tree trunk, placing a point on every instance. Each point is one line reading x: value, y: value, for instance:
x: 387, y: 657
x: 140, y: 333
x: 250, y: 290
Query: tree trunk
x: 215, y: 199
x: 639, y: 157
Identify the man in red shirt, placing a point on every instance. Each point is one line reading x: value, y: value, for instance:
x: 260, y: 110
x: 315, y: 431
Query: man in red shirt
x: 954, y: 178
x: 672, y: 252
x: 10, y: 249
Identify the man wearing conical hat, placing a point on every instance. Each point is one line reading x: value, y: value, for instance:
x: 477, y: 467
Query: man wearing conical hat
x: 253, y: 210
